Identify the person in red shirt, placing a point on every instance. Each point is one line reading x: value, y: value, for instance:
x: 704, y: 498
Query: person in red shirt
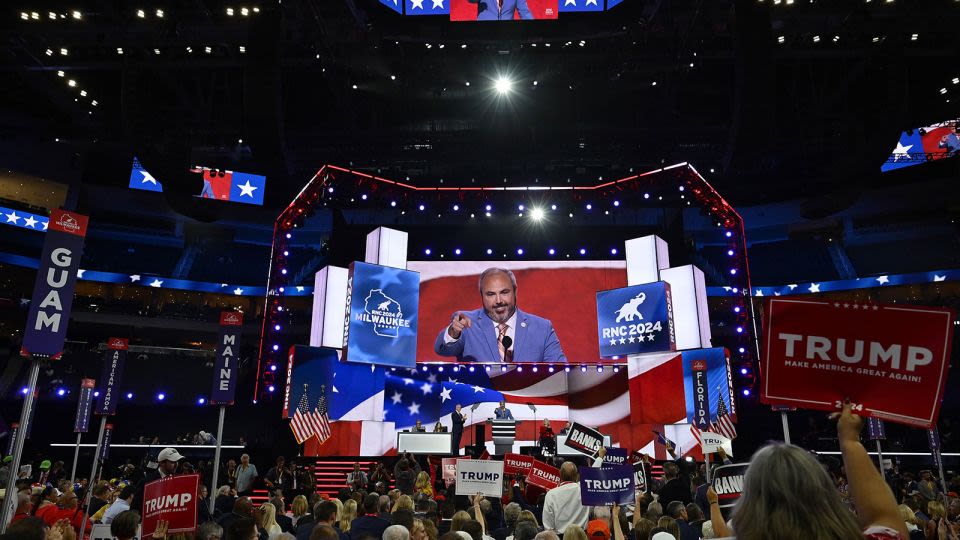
x: 23, y: 507
x: 70, y: 510
x: 47, y: 509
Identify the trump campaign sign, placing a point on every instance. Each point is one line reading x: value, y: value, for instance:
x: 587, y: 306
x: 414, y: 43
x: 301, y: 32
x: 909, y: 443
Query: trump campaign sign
x: 172, y: 499
x: 381, y: 318
x: 480, y: 476
x: 817, y: 354
x: 611, y: 484
x: 636, y: 320
x: 543, y: 475
x: 53, y: 290
x: 517, y: 464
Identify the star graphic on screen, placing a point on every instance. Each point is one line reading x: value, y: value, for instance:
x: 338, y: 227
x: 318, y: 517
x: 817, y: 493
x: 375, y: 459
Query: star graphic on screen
x: 594, y: 2
x: 569, y: 3
x: 238, y: 291
x: 432, y: 378
x: 247, y: 189
x: 477, y: 389
x: 445, y: 394
x: 396, y: 398
x: 80, y: 272
x: 416, y: 4
x: 426, y: 388
x: 147, y: 178
x: 632, y: 339
x: 613, y: 341
x: 414, y: 408
x: 792, y: 286
x: 408, y: 381
x: 937, y: 278
x: 883, y: 280
x: 12, y: 217
x: 437, y: 4
x: 623, y: 340
x: 156, y: 283
x: 454, y: 381
x: 45, y: 223
x: 901, y: 151
x: 299, y: 288
x: 29, y: 221
x: 759, y: 292
x: 814, y: 287
x: 651, y: 337
x: 134, y: 277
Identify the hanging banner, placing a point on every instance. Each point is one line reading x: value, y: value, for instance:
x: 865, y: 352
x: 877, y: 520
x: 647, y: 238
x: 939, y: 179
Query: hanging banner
x: 728, y: 483
x: 615, y: 456
x: 635, y: 320
x: 113, y: 360
x: 585, y: 440
x: 82, y: 423
x: 817, y: 354
x: 876, y: 430
x: 381, y: 316
x: 480, y: 476
x: 14, y: 428
x: 172, y: 499
x: 49, y: 311
x: 225, y: 369
x: 517, y: 464
x: 543, y: 475
x: 933, y: 438
x: 605, y: 486
x: 107, y: 436
x: 701, y: 395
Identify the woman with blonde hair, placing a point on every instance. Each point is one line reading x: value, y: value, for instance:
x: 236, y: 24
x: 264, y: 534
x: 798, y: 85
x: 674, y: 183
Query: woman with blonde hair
x: 418, y: 532
x: 267, y: 519
x: 299, y: 508
x: 787, y: 494
x: 527, y: 515
x: 670, y: 525
x: 458, y: 519
x: 574, y: 532
x: 423, y: 488
x: 937, y: 513
x: 404, y: 502
x: 339, y: 504
x: 347, y: 515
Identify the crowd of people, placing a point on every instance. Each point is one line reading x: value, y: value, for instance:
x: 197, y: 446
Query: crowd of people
x: 788, y: 493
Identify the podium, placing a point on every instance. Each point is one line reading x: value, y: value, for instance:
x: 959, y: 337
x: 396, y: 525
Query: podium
x: 504, y: 433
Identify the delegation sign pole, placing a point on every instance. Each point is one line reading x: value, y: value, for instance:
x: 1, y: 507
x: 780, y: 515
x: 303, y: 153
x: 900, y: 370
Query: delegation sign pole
x: 224, y: 381
x: 47, y: 320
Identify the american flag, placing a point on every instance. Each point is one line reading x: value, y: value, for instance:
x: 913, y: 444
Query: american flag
x: 723, y: 425
x: 300, y: 421
x: 321, y: 418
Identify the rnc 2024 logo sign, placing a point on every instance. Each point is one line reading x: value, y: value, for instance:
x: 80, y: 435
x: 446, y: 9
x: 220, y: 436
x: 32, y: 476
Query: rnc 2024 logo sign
x: 636, y: 319
x: 384, y: 313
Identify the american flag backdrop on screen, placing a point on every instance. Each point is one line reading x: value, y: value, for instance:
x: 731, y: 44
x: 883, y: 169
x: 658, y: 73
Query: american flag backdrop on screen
x: 300, y: 422
x: 320, y: 418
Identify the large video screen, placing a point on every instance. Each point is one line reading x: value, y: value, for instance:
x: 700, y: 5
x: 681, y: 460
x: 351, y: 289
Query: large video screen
x: 503, y: 10
x: 921, y: 145
x: 555, y: 306
x: 221, y: 185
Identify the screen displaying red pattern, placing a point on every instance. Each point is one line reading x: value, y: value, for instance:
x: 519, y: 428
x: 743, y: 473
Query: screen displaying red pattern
x: 562, y: 291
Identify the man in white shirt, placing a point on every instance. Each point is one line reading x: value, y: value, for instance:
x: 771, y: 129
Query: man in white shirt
x: 562, y: 505
x: 122, y: 504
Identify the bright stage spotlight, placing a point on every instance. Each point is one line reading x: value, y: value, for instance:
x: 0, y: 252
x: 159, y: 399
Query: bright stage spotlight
x: 536, y: 214
x: 503, y: 85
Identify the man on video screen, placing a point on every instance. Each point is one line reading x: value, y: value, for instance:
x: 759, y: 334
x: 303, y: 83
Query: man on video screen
x: 502, y: 10
x: 499, y: 332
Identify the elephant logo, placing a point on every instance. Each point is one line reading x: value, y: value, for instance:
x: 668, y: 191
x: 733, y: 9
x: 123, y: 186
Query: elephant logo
x: 630, y: 311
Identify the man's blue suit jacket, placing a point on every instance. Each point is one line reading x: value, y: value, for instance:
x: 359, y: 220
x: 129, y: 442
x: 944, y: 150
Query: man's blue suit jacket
x: 534, y: 340
x: 487, y: 10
